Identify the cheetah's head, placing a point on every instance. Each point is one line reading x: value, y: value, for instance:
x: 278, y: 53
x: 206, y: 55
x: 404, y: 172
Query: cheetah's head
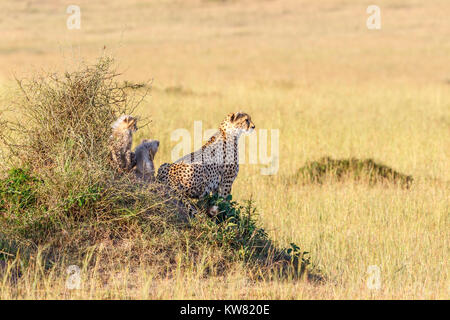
x: 237, y: 123
x: 152, y: 147
x: 125, y: 122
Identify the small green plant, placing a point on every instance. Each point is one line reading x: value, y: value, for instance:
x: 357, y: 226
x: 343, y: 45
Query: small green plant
x: 17, y: 191
x: 82, y: 199
x: 237, y: 224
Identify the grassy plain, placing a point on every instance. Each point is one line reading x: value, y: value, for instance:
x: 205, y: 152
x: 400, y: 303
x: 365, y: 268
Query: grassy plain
x: 313, y: 71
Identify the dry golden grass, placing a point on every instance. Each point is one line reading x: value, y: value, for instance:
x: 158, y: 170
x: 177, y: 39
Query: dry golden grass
x: 311, y: 70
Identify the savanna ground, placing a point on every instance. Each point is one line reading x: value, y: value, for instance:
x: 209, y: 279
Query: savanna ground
x: 313, y: 71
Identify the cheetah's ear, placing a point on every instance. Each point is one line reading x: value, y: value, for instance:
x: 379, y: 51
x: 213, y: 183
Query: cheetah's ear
x: 155, y: 147
x: 237, y: 115
x: 231, y: 116
x: 131, y: 121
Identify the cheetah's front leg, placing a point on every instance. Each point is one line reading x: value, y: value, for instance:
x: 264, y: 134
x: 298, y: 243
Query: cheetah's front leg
x: 130, y: 160
x: 227, y: 181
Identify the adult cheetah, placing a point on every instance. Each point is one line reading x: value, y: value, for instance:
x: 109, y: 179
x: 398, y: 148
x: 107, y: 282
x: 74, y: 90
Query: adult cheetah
x: 214, y: 166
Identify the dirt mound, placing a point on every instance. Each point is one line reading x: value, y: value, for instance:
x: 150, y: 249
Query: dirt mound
x: 365, y: 170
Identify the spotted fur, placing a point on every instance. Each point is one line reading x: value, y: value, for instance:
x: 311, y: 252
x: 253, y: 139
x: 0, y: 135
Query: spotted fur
x: 123, y: 159
x: 214, y: 167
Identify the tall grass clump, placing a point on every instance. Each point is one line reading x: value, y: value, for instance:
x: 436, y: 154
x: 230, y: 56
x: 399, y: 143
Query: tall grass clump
x: 60, y: 196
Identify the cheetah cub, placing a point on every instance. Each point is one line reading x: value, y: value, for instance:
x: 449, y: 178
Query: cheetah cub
x: 145, y: 153
x: 123, y: 159
x: 214, y: 166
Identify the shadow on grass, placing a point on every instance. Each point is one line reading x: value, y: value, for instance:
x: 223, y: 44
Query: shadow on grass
x: 237, y: 228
